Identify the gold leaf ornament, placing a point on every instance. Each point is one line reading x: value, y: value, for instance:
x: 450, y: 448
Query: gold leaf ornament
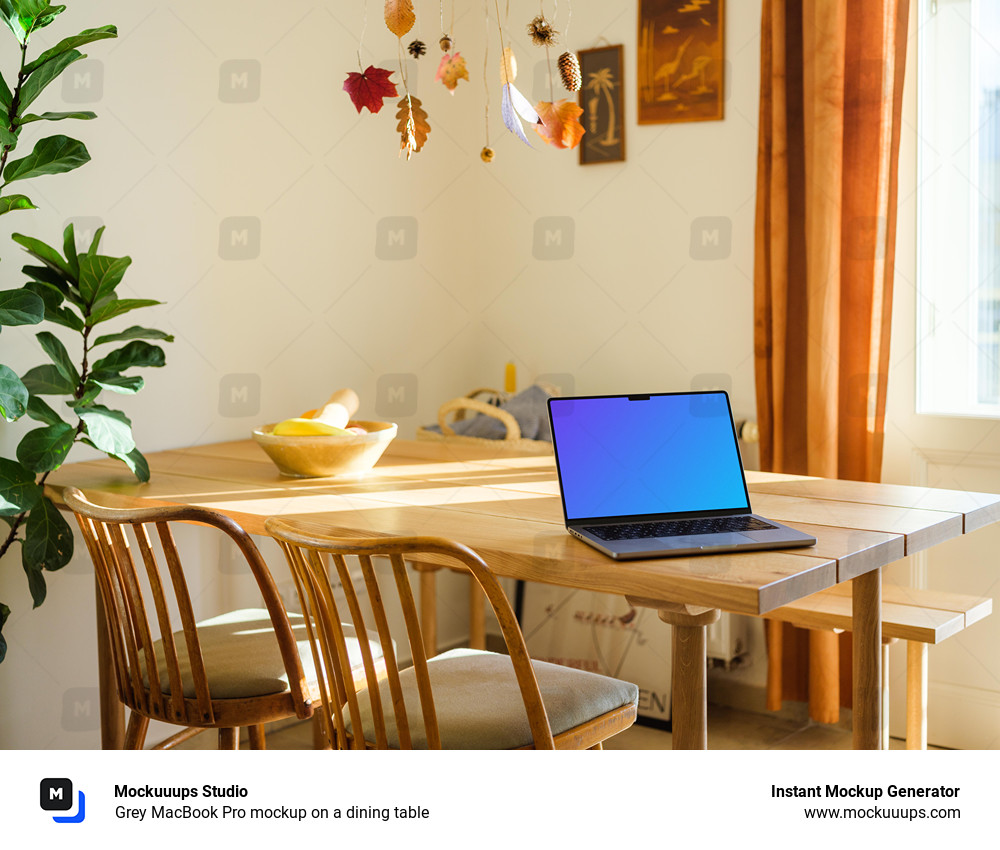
x: 508, y: 66
x: 412, y: 127
x: 399, y: 16
x: 451, y: 70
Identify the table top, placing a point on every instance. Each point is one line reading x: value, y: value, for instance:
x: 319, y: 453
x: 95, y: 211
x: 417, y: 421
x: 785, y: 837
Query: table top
x: 505, y: 504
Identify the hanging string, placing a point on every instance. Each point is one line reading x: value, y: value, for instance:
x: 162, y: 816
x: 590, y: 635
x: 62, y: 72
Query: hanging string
x: 364, y: 27
x: 486, y: 76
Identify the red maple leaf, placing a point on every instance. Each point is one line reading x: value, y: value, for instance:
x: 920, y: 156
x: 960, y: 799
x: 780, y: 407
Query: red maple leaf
x: 370, y: 88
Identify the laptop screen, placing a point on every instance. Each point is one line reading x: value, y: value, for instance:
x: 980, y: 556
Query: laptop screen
x: 624, y: 456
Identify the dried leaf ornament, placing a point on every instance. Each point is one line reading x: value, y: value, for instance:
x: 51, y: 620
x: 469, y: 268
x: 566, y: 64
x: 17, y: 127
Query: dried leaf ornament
x: 542, y: 32
x: 413, y: 127
x: 508, y: 66
x: 560, y: 125
x: 514, y: 104
x: 416, y: 48
x: 370, y: 88
x: 399, y: 16
x: 451, y: 70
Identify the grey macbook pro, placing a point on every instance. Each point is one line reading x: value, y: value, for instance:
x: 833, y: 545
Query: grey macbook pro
x: 645, y: 476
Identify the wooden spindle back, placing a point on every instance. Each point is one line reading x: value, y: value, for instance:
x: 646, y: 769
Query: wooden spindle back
x: 143, y: 585
x: 331, y: 594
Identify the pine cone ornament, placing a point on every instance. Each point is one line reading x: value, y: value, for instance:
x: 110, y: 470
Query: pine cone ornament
x: 569, y: 71
x: 416, y: 48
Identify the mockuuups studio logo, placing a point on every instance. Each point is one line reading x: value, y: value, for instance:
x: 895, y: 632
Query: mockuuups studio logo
x: 239, y: 81
x: 239, y: 238
x: 711, y: 237
x: 85, y: 82
x: 85, y: 227
x: 396, y: 395
x: 56, y: 795
x: 239, y: 394
x: 396, y: 238
x: 554, y: 236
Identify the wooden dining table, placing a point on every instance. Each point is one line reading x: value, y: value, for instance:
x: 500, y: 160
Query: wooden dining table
x: 505, y: 504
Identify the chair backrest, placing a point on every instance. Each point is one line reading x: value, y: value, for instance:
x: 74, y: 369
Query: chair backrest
x: 133, y: 598
x: 306, y: 546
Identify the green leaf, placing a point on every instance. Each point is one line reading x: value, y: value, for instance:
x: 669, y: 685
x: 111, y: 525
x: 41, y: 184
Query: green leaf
x: 100, y: 276
x: 46, y: 448
x: 134, y: 354
x: 45, y: 74
x: 56, y: 116
x: 136, y: 461
x: 96, y: 241
x: 20, y: 307
x: 50, y: 256
x: 4, y: 614
x: 90, y: 393
x: 13, y: 395
x: 119, y: 383
x: 18, y: 490
x: 53, y: 298
x: 6, y: 97
x: 116, y: 307
x: 69, y: 249
x: 48, y: 539
x: 36, y: 581
x: 85, y: 37
x: 41, y: 412
x: 16, y: 202
x: 110, y: 431
x: 53, y: 346
x: 8, y: 139
x: 47, y: 380
x: 134, y: 332
x: 54, y: 155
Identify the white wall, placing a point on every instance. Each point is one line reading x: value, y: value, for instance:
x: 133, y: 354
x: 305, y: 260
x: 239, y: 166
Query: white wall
x: 625, y: 308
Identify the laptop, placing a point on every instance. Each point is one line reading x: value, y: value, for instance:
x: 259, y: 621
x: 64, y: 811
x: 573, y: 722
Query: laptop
x: 646, y: 476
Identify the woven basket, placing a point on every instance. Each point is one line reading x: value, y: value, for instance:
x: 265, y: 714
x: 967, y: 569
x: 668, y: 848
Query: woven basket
x: 460, y: 406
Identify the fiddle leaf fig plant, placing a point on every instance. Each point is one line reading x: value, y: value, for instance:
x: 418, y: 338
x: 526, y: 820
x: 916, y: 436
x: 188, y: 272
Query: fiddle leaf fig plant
x: 74, y: 291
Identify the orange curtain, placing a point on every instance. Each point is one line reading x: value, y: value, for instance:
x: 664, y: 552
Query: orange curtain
x: 830, y: 103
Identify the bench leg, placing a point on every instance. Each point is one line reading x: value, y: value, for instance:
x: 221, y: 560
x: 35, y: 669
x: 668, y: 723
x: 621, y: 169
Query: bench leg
x: 916, y: 695
x: 775, y: 658
x: 824, y: 676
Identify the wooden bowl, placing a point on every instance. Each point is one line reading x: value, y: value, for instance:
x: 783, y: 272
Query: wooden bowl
x: 325, y: 456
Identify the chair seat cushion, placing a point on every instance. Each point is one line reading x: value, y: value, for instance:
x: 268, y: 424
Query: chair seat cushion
x: 241, y: 656
x: 479, y: 705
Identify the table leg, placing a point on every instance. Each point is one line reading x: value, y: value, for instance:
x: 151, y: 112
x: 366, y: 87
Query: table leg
x: 867, y: 630
x: 689, y: 709
x: 112, y: 711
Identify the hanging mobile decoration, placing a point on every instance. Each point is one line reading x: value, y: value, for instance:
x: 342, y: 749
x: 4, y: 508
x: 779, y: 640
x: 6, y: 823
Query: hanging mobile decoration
x: 559, y: 123
x: 412, y: 119
x: 569, y: 63
x: 514, y: 106
x: 368, y: 87
x: 487, y: 153
x: 416, y: 48
x: 452, y: 67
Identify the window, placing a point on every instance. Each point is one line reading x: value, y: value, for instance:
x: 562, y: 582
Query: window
x: 958, y: 208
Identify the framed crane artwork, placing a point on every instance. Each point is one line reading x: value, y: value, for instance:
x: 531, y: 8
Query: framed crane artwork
x: 602, y: 99
x: 681, y: 60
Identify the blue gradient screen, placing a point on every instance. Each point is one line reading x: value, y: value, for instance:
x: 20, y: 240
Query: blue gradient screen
x: 624, y: 456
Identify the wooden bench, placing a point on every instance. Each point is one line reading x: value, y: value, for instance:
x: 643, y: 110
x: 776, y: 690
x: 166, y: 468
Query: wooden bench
x: 920, y: 617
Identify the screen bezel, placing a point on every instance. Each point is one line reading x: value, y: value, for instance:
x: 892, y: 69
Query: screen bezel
x: 598, y: 520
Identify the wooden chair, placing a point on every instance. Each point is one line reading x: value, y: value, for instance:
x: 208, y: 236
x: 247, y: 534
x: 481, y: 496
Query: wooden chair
x: 241, y: 669
x: 462, y: 699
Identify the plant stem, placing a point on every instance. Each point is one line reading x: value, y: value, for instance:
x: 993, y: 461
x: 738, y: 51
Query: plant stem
x: 15, y: 105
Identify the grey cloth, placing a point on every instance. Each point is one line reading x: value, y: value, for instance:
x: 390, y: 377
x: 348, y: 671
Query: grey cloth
x: 479, y: 704
x: 529, y: 407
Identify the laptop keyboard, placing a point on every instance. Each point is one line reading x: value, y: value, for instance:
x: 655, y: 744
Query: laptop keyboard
x: 677, y: 527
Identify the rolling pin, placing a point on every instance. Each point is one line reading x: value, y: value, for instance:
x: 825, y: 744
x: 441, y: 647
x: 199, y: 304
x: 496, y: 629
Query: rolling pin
x: 331, y: 418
